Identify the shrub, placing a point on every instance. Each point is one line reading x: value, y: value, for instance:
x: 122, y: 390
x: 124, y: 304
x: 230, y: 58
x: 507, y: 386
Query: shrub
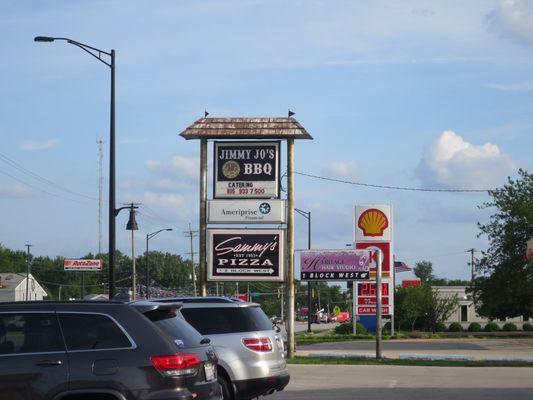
x: 474, y: 327
x: 347, y: 328
x: 492, y: 327
x: 510, y: 327
x: 455, y: 327
x: 440, y: 327
x: 527, y: 327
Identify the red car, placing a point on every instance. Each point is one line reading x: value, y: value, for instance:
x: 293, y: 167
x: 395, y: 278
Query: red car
x: 344, y: 316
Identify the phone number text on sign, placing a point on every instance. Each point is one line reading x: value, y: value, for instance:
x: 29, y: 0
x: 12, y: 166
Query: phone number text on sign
x: 246, y: 170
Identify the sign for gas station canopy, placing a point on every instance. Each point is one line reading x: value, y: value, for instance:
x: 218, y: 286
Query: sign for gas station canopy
x: 245, y: 170
x: 334, y: 265
x: 245, y: 254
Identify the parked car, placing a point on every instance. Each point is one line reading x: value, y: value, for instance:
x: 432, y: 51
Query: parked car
x: 343, y: 316
x: 105, y: 349
x: 251, y: 352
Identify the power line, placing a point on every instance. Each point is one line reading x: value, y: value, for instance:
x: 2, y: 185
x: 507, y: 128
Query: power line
x: 20, y: 168
x: 42, y: 190
x: 391, y: 187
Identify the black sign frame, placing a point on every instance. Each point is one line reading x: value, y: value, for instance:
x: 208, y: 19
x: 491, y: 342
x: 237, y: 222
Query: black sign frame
x: 243, y: 263
x: 218, y: 169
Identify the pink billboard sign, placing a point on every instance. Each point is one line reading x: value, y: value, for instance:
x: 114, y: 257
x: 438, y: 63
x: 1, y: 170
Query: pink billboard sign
x: 334, y: 265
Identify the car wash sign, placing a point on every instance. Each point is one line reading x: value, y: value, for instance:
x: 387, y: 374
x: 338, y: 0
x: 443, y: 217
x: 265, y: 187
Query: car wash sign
x: 245, y: 254
x: 334, y: 265
x: 245, y: 170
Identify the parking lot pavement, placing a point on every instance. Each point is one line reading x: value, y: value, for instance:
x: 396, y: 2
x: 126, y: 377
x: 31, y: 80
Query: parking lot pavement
x: 474, y: 348
x: 370, y: 382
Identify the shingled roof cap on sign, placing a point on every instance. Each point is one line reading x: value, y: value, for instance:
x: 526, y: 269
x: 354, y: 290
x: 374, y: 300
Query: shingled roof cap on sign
x: 246, y: 128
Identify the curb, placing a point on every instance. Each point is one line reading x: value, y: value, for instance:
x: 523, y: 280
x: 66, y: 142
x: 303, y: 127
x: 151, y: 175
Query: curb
x: 432, y: 357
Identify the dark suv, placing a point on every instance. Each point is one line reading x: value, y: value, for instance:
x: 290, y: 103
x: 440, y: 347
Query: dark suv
x: 102, y: 351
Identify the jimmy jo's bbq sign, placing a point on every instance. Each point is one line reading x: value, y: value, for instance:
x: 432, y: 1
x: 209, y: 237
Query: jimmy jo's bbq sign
x: 245, y: 254
x: 246, y: 170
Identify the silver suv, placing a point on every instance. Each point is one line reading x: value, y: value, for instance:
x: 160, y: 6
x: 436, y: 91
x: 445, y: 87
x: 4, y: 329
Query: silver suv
x: 251, y: 353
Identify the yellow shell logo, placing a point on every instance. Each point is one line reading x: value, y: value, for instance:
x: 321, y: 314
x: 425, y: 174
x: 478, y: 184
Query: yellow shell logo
x: 373, y: 222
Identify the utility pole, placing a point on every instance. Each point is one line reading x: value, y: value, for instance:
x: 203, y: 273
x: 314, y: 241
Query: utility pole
x: 100, y: 194
x: 191, y: 235
x: 27, y: 271
x: 472, y: 265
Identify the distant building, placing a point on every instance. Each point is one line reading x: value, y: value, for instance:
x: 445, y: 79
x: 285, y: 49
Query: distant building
x: 466, y: 312
x: 13, y: 288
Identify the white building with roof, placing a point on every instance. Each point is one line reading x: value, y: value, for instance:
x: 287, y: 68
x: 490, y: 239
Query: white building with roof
x: 13, y: 287
x: 465, y: 313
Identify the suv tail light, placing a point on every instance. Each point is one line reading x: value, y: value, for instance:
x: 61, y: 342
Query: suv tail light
x: 258, y: 344
x: 176, y: 364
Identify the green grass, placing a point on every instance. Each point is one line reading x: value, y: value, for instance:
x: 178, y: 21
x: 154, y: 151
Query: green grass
x: 412, y: 363
x: 328, y: 336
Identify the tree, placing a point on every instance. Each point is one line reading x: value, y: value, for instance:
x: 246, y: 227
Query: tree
x: 504, y: 286
x: 410, y: 304
x: 438, y: 309
x: 424, y: 271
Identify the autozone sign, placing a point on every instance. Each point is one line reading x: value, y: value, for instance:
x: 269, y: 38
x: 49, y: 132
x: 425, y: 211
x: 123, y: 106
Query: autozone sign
x: 245, y: 254
x: 82, y: 265
x: 246, y: 170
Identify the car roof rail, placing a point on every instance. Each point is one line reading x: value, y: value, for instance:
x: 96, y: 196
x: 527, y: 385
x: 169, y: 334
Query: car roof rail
x: 198, y: 299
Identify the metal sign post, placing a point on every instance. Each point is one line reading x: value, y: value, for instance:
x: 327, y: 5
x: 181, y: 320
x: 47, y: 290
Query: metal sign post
x: 354, y: 304
x: 378, y: 305
x: 290, y: 247
x: 202, y: 262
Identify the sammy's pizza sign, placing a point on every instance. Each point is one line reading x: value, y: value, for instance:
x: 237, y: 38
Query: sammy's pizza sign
x: 245, y: 254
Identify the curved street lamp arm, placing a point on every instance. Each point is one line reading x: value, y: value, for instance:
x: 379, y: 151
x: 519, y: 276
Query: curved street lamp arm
x: 93, y: 51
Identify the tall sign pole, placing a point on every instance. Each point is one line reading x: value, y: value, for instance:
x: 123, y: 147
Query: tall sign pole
x: 202, y: 263
x: 378, y: 304
x: 290, y: 245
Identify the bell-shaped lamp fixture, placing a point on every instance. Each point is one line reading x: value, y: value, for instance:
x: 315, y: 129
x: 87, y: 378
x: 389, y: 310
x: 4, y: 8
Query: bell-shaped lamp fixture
x: 132, y: 223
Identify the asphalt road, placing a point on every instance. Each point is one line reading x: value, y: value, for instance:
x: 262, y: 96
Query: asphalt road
x: 343, y: 382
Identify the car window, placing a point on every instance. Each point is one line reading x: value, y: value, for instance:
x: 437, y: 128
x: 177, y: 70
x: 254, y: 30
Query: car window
x: 209, y: 321
x: 29, y: 333
x: 92, y: 332
x: 170, y: 322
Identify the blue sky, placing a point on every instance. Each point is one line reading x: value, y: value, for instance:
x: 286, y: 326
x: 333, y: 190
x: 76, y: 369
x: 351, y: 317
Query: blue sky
x: 411, y: 93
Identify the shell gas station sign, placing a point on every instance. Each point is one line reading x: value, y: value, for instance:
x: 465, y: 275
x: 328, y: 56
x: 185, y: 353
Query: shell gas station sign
x: 373, y: 230
x: 372, y: 223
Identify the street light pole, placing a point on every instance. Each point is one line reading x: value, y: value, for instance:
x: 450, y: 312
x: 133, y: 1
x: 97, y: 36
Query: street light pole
x: 148, y: 237
x: 97, y: 53
x: 307, y: 215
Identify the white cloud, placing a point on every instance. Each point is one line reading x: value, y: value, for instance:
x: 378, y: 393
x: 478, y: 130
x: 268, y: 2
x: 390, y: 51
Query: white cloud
x: 32, y: 145
x: 453, y: 162
x: 169, y: 205
x: 513, y: 18
x: 168, y: 185
x: 15, y: 191
x: 343, y: 169
x: 512, y: 87
x: 185, y: 166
